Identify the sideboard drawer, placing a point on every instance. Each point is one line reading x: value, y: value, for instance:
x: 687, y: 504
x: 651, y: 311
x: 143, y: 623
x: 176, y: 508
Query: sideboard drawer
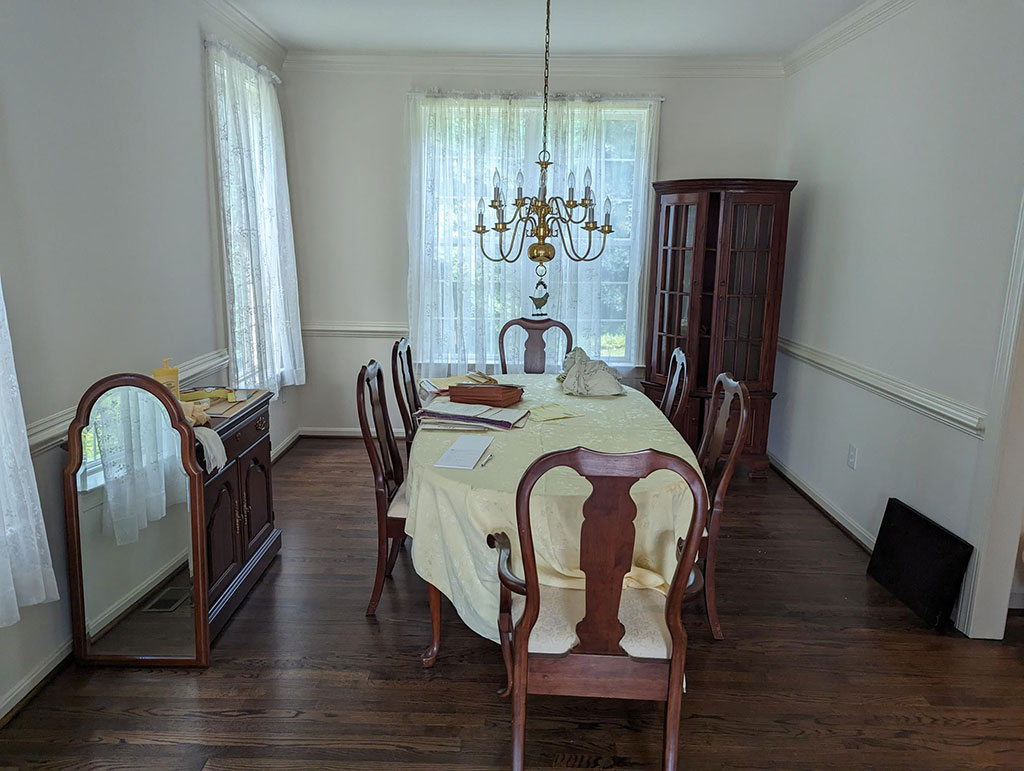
x: 250, y: 432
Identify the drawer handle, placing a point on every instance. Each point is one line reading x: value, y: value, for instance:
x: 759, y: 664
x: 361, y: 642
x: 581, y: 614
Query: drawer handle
x: 238, y: 436
x: 261, y: 423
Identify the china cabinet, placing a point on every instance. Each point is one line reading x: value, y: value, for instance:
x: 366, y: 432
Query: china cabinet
x: 718, y: 248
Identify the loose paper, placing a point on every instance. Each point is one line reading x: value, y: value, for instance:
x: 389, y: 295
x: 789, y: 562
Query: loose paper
x: 465, y: 452
x: 552, y: 411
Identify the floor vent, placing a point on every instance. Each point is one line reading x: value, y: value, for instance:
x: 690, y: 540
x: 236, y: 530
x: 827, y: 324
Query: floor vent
x: 168, y: 600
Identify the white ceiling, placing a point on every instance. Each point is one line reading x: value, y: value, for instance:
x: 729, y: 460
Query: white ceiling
x: 651, y: 27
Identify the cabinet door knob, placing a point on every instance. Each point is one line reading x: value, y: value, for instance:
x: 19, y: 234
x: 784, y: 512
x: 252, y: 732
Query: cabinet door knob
x: 238, y: 436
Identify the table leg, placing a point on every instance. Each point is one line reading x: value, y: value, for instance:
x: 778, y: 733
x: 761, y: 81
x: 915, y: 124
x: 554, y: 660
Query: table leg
x: 430, y: 654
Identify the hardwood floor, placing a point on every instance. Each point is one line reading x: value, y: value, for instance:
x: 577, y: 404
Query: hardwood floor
x: 820, y: 668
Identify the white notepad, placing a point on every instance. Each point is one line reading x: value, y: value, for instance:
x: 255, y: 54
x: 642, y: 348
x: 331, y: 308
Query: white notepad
x: 465, y: 452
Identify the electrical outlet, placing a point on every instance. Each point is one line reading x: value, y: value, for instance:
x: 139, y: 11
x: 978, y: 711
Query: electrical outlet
x: 851, y: 457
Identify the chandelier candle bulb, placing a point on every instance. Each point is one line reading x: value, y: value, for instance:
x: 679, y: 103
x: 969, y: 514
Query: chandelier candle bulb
x: 571, y: 184
x: 481, y: 207
x: 519, y: 187
x: 607, y: 211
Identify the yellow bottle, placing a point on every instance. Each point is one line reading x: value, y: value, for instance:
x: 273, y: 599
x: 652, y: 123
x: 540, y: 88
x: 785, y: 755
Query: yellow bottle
x: 167, y: 376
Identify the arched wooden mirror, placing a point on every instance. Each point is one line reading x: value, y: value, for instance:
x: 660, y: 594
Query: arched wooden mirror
x: 133, y: 493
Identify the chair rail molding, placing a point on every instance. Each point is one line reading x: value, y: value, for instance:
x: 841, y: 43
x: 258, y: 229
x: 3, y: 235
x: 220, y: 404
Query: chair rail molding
x: 839, y: 33
x: 600, y: 66
x: 355, y: 329
x: 950, y: 412
x: 46, y: 433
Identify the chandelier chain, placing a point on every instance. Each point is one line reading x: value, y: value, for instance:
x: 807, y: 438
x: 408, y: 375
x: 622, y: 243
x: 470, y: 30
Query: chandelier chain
x: 547, y: 67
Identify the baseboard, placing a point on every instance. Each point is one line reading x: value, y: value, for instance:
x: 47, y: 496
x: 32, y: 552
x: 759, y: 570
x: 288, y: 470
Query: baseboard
x: 842, y: 520
x: 30, y: 684
x: 327, y: 432
x: 125, y: 603
x: 338, y: 433
x: 277, y: 451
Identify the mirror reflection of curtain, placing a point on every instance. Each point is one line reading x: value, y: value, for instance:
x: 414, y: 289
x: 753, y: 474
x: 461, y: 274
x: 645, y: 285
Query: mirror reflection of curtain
x: 26, y: 572
x: 141, y: 459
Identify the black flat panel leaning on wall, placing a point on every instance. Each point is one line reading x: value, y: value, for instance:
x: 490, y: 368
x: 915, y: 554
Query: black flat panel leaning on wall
x: 920, y: 562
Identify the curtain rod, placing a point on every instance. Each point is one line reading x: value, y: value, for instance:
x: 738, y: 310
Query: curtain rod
x: 244, y: 58
x: 561, y: 96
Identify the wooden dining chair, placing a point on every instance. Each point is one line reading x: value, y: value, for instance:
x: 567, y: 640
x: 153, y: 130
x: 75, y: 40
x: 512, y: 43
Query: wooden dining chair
x: 533, y: 357
x: 677, y: 389
x: 630, y: 643
x: 388, y: 474
x: 718, y: 467
x: 406, y: 391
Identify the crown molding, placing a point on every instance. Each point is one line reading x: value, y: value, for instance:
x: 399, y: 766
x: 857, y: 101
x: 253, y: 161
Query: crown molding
x: 841, y: 32
x: 46, y: 433
x: 265, y: 47
x: 512, y: 64
x: 355, y: 329
x: 950, y: 412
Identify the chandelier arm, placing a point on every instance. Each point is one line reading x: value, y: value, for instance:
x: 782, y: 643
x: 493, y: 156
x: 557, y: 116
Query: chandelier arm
x: 569, y: 245
x: 483, y: 251
x: 518, y: 214
x: 501, y: 247
x: 522, y: 240
x: 517, y: 234
x: 604, y: 242
x: 565, y: 213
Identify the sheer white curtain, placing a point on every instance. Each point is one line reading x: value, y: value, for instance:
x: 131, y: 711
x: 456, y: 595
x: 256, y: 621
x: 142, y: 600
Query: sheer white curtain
x: 458, y: 300
x: 26, y: 573
x: 265, y: 336
x: 141, y: 459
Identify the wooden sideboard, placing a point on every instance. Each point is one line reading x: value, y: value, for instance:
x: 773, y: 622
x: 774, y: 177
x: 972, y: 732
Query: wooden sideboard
x: 241, y: 537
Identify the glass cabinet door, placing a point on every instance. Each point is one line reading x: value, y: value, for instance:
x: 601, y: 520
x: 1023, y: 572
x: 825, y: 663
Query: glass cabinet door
x: 674, y: 279
x: 744, y: 285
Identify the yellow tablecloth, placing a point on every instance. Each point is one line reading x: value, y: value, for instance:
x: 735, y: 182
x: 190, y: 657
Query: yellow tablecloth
x: 452, y: 511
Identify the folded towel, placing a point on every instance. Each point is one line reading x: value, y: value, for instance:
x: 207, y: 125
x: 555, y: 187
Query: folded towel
x: 213, y: 448
x: 584, y: 376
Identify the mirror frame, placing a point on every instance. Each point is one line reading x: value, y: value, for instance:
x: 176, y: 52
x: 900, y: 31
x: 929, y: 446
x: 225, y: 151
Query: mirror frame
x: 194, y: 473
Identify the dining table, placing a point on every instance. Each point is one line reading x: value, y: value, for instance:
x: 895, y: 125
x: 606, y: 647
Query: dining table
x: 452, y: 511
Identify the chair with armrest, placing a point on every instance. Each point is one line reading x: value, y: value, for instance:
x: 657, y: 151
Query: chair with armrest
x: 388, y: 474
x: 630, y: 643
x: 406, y: 391
x: 729, y: 408
x: 677, y: 389
x: 533, y: 356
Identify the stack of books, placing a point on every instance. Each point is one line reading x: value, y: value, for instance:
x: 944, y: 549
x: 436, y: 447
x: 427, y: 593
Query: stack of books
x: 491, y: 395
x: 470, y: 417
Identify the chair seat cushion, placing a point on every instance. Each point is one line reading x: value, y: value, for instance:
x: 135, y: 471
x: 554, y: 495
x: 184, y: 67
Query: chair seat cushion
x: 399, y: 507
x: 641, y: 611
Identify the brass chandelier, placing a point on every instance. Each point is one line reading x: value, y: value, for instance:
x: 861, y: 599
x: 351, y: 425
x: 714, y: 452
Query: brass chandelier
x: 541, y: 218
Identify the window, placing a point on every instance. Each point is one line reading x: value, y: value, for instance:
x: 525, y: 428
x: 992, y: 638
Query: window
x: 264, y: 333
x: 458, y: 300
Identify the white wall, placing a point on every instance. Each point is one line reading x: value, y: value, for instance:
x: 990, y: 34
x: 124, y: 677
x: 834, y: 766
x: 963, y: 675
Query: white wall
x: 908, y: 143
x: 108, y: 254
x: 347, y: 153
